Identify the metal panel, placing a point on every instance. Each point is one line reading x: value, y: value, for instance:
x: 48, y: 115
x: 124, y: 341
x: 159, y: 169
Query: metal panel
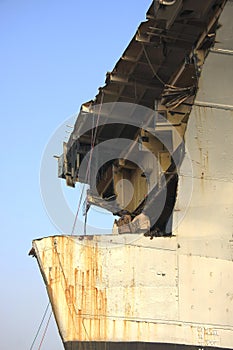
x: 206, y: 228
x: 217, y: 77
x: 174, y: 290
x: 111, y: 289
x: 104, y: 291
x: 224, y: 38
x: 215, y: 85
x: 206, y: 291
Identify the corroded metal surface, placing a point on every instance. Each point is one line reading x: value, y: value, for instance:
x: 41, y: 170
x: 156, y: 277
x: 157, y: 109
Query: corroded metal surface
x: 126, y: 288
x: 177, y: 290
x: 97, y: 290
x: 159, y: 69
x: 207, y: 225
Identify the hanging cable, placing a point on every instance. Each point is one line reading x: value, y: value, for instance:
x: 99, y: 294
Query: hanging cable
x: 39, y: 328
x: 79, y: 205
x: 151, y: 65
x: 94, y: 136
x: 167, y: 86
x: 180, y: 94
x: 45, y: 331
x: 87, y: 176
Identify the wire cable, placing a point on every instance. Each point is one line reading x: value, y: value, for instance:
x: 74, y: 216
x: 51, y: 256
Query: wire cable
x: 76, y: 216
x: 41, y: 323
x: 176, y: 88
x: 45, y: 331
x: 151, y: 66
x: 89, y: 163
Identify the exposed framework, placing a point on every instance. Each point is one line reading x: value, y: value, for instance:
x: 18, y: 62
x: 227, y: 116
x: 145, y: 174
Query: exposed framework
x: 157, y: 76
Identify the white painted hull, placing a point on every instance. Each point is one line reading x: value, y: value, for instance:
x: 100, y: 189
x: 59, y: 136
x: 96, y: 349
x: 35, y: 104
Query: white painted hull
x: 126, y: 288
x: 129, y: 290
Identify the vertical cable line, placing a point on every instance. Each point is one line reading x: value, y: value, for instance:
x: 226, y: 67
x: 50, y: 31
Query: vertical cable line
x: 89, y: 163
x: 41, y: 323
x: 45, y: 331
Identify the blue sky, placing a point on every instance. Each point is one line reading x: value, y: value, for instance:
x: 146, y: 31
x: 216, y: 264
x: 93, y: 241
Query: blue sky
x: 54, y: 56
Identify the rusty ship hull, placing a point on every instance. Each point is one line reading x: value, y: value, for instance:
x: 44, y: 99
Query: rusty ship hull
x: 174, y: 291
x: 122, y: 291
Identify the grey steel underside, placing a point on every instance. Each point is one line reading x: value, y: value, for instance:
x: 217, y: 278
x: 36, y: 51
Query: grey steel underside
x: 133, y: 346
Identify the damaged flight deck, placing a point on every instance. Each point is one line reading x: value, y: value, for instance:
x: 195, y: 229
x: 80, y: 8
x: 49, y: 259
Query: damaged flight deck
x: 147, y: 98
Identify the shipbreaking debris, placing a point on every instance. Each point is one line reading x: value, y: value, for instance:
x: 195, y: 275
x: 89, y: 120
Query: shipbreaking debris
x: 155, y: 148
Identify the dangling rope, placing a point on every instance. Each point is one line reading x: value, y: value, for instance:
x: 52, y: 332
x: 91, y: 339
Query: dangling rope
x: 45, y: 331
x: 166, y: 86
x: 41, y: 323
x: 151, y: 66
x: 87, y: 176
x: 76, y: 216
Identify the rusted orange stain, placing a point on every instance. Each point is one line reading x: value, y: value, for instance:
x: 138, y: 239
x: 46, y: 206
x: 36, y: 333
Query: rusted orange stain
x: 78, y: 276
